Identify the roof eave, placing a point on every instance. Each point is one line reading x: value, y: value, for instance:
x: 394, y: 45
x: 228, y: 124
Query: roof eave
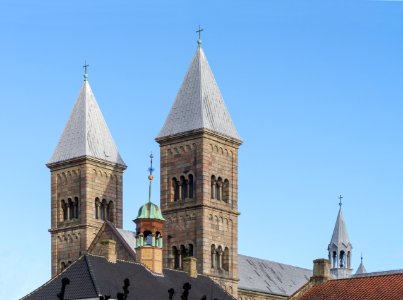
x: 81, y: 159
x: 167, y: 138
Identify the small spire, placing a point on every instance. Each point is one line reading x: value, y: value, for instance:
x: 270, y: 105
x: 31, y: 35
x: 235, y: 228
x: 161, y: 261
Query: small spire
x: 340, y: 198
x: 85, y: 70
x: 361, y: 257
x: 150, y: 177
x: 199, y: 41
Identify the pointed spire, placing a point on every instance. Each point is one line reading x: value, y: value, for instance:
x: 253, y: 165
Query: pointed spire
x: 199, y: 104
x: 86, y: 133
x: 361, y: 268
x: 340, y: 234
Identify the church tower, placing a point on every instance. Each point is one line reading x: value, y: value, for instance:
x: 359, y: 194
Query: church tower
x: 340, y: 249
x: 86, y: 181
x: 199, y: 178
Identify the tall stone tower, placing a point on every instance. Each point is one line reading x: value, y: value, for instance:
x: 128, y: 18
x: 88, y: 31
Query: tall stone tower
x: 340, y: 249
x: 199, y: 178
x: 86, y: 181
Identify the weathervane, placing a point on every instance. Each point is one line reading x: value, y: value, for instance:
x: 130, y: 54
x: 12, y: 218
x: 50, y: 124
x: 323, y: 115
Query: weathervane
x: 199, y: 41
x: 150, y: 177
x: 85, y: 70
x: 340, y: 198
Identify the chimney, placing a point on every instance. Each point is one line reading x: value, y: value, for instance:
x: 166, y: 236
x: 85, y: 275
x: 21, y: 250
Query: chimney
x: 321, y: 271
x: 108, y: 250
x: 189, y: 266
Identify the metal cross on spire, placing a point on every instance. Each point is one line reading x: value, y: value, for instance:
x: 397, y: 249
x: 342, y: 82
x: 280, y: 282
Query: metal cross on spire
x: 340, y: 198
x: 151, y: 169
x: 199, y: 41
x: 85, y: 70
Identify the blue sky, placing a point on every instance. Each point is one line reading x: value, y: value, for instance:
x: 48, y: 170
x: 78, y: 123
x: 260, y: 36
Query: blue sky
x: 314, y: 88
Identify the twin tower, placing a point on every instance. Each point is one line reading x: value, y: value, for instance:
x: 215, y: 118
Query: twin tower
x: 199, y: 179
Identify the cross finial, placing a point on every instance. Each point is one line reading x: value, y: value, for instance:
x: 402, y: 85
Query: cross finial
x: 199, y: 41
x: 361, y: 257
x: 151, y: 169
x: 340, y: 198
x: 150, y: 177
x: 85, y: 70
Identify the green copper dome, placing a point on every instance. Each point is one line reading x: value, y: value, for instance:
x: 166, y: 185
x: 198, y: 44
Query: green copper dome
x: 150, y: 211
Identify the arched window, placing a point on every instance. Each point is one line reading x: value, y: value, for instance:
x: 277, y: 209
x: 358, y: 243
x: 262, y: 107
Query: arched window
x: 225, y: 262
x: 71, y: 209
x: 213, y: 257
x: 213, y: 187
x: 226, y: 190
x: 97, y: 208
x: 218, y: 189
x: 111, y: 211
x: 334, y: 259
x: 175, y: 188
x: 76, y: 207
x: 64, y: 210
x: 182, y: 188
x: 104, y: 209
x: 148, y: 238
x: 190, y: 250
x: 175, y: 253
x: 219, y: 258
x: 342, y: 259
x: 191, y: 186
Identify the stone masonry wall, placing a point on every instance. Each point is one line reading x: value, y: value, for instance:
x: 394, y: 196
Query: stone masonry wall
x: 202, y: 221
x: 84, y: 180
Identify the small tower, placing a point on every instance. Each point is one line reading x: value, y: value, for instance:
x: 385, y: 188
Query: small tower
x: 86, y: 181
x: 361, y: 268
x: 149, y: 229
x: 199, y: 178
x: 340, y: 249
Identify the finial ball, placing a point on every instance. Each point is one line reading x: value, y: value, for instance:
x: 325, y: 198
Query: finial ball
x: 151, y: 177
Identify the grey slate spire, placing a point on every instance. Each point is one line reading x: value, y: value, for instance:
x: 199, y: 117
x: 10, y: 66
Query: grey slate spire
x: 340, y: 249
x: 86, y: 133
x: 199, y: 104
x: 340, y: 234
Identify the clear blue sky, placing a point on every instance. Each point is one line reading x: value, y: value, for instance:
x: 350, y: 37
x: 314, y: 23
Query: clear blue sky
x: 315, y: 89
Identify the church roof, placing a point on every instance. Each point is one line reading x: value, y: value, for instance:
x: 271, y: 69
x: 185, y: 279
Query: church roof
x: 86, y: 133
x: 382, y: 287
x: 389, y: 272
x: 150, y: 211
x: 340, y: 235
x: 93, y: 276
x: 270, y: 277
x: 199, y: 104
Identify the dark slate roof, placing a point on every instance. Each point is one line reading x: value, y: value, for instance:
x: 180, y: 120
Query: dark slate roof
x: 91, y: 276
x: 270, y: 277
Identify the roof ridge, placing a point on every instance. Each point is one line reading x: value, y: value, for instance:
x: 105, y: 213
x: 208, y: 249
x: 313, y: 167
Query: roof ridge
x: 92, y: 275
x: 272, y: 261
x: 367, y: 276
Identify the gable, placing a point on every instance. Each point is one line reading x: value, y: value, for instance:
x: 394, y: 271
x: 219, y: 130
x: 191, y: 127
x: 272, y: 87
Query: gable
x: 125, y: 242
